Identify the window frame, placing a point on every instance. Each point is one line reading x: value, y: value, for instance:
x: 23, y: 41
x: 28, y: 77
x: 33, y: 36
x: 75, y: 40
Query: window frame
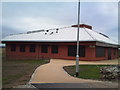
x: 100, y: 51
x: 44, y: 48
x: 13, y: 47
x: 55, y: 49
x: 22, y: 47
x: 32, y: 48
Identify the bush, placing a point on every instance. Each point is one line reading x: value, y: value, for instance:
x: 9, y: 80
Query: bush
x: 110, y: 72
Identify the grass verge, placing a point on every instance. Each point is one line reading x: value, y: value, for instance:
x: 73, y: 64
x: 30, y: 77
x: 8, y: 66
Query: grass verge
x: 86, y: 71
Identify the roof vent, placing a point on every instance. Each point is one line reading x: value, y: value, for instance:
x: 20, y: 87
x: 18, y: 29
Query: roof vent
x: 104, y: 35
x: 51, y: 33
x: 57, y: 30
x: 35, y: 31
x: 83, y: 26
x: 47, y: 30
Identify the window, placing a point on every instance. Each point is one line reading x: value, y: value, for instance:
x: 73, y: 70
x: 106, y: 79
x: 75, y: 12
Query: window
x: 32, y: 48
x: 114, y: 52
x: 82, y: 51
x: 100, y: 51
x: 22, y: 48
x: 13, y: 47
x: 54, y: 49
x: 44, y: 49
x: 72, y: 50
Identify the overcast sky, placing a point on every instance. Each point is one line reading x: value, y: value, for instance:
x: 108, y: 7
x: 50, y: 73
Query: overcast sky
x: 20, y: 17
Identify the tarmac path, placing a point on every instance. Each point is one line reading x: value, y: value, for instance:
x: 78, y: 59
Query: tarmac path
x: 53, y: 74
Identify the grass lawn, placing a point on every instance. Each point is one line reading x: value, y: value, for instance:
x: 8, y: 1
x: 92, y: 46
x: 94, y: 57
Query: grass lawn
x: 18, y: 72
x: 85, y: 71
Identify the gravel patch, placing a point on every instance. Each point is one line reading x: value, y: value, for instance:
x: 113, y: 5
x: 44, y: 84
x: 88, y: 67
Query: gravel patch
x: 26, y: 86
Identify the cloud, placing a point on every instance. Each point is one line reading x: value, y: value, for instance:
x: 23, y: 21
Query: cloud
x: 24, y: 17
x: 102, y: 16
x: 6, y: 30
x: 30, y: 23
x: 31, y: 16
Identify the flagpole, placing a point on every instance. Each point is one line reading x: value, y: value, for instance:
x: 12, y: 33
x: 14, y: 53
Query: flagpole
x: 77, y: 52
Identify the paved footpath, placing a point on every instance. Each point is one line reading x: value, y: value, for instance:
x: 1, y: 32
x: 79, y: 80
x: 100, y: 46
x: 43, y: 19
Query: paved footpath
x: 53, y: 72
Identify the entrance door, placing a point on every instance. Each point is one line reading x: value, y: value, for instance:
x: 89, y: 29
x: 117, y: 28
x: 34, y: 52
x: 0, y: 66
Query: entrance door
x: 109, y: 53
x: 72, y: 50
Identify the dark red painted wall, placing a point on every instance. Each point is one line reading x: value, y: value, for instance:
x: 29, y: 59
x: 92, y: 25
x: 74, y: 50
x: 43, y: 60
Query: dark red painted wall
x: 62, y: 54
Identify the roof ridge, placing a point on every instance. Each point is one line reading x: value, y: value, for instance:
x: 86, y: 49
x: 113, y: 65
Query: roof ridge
x: 89, y: 34
x: 101, y: 35
x: 108, y: 36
